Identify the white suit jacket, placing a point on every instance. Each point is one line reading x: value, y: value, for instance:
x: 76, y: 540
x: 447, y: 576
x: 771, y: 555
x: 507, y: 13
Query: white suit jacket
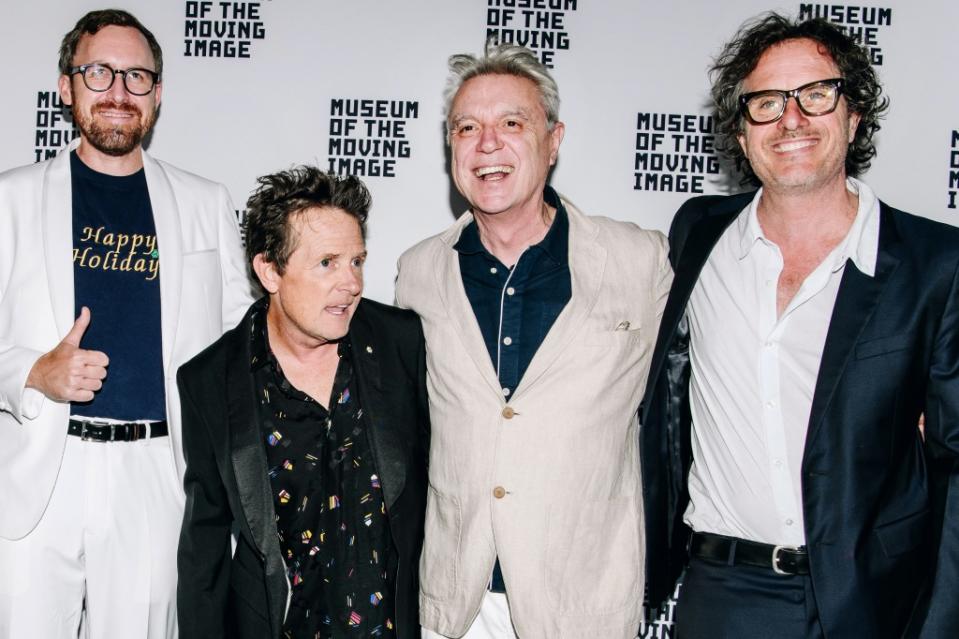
x: 564, y: 446
x: 204, y: 289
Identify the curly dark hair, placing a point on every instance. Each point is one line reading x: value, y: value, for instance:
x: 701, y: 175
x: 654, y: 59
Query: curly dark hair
x: 280, y: 196
x: 740, y: 56
x: 96, y: 20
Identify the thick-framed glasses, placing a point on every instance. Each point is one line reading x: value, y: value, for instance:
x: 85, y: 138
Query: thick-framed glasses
x: 100, y: 77
x: 816, y: 98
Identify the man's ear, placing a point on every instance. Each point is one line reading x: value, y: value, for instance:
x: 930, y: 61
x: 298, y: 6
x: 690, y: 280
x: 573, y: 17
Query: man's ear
x: 267, y: 273
x: 555, y: 139
x: 66, y: 90
x: 853, y: 125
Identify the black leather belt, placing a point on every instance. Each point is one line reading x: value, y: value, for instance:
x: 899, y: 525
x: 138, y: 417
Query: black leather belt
x: 784, y: 560
x: 100, y: 432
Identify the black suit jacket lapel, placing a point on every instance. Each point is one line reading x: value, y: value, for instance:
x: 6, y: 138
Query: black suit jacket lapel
x: 250, y: 469
x: 389, y: 451
x: 856, y: 302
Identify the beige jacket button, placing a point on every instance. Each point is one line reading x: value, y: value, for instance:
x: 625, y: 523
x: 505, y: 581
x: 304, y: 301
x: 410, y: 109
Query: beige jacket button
x: 499, y: 492
x: 508, y: 412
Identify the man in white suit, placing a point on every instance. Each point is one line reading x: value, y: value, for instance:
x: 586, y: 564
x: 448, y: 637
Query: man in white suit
x: 539, y: 325
x: 114, y: 269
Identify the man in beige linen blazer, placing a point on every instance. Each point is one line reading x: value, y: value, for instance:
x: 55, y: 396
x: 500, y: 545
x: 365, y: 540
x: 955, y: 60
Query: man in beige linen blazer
x: 540, y: 479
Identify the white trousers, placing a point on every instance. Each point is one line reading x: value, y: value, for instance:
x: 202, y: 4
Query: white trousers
x: 104, y: 552
x: 492, y: 622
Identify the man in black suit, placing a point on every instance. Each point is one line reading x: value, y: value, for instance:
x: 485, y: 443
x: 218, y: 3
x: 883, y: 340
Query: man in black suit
x: 305, y: 434
x: 808, y: 328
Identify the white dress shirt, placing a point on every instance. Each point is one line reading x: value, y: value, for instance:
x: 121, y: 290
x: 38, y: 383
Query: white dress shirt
x: 753, y: 375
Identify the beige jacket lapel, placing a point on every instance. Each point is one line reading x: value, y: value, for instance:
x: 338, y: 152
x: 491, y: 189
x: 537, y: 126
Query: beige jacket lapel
x: 449, y: 283
x: 587, y: 264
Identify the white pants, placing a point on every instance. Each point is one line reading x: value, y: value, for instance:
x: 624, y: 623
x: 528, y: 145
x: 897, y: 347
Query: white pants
x: 105, y: 548
x: 492, y: 622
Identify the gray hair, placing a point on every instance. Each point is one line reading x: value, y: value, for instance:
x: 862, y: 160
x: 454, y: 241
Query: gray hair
x: 504, y: 59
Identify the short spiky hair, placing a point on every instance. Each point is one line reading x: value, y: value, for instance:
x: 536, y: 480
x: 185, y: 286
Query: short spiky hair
x: 504, y: 59
x: 96, y: 20
x: 281, y: 196
x: 739, y: 58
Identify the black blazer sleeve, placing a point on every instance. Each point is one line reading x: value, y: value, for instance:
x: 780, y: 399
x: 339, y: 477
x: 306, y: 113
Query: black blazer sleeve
x: 203, y: 558
x: 942, y: 444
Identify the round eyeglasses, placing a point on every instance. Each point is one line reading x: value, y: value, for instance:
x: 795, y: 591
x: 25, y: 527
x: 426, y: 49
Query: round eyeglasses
x: 815, y: 98
x: 100, y: 77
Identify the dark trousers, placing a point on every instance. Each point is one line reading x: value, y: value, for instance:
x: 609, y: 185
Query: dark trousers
x: 719, y: 601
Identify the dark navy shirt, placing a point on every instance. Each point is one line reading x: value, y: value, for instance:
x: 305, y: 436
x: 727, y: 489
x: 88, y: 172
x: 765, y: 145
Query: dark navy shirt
x: 516, y: 306
x: 116, y: 273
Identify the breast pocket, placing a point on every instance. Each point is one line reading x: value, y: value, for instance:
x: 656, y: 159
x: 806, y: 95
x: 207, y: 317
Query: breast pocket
x: 620, y: 338
x: 884, y: 345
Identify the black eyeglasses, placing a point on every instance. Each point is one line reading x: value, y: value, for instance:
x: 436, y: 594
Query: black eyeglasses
x: 100, y: 77
x: 816, y: 98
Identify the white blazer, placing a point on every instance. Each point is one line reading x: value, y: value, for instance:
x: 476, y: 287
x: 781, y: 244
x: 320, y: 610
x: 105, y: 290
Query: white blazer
x: 204, y: 290
x: 549, y: 478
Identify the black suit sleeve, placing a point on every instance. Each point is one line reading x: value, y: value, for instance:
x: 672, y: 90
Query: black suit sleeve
x: 203, y: 558
x: 422, y: 397
x: 687, y: 215
x: 942, y: 441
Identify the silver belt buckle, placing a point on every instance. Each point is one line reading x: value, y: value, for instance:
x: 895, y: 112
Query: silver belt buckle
x: 776, y: 551
x: 86, y: 435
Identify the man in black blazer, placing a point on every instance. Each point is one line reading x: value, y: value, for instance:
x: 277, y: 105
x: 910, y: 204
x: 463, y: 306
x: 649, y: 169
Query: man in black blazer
x: 808, y: 329
x: 305, y: 435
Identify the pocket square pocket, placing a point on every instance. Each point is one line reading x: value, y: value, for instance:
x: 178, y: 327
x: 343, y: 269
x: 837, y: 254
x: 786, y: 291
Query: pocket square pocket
x: 622, y: 334
x: 883, y: 345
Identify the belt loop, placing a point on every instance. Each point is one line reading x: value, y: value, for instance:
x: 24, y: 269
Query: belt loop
x: 731, y: 559
x: 147, y: 434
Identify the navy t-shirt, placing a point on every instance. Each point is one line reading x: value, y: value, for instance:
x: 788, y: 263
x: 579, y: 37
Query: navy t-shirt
x: 116, y: 273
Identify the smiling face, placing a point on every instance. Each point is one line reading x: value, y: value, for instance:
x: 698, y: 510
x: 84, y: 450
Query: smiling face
x: 797, y: 153
x: 113, y: 122
x: 312, y: 301
x: 501, y: 146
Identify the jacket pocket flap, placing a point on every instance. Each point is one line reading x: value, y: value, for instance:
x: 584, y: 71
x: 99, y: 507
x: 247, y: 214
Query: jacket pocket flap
x: 883, y: 345
x: 902, y: 535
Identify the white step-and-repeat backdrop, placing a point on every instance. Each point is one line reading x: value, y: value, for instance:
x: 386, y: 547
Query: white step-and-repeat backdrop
x: 355, y: 86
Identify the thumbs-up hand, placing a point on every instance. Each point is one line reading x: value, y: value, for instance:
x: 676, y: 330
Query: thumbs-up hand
x: 69, y: 373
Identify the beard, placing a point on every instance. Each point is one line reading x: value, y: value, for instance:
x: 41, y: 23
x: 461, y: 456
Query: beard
x: 114, y: 139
